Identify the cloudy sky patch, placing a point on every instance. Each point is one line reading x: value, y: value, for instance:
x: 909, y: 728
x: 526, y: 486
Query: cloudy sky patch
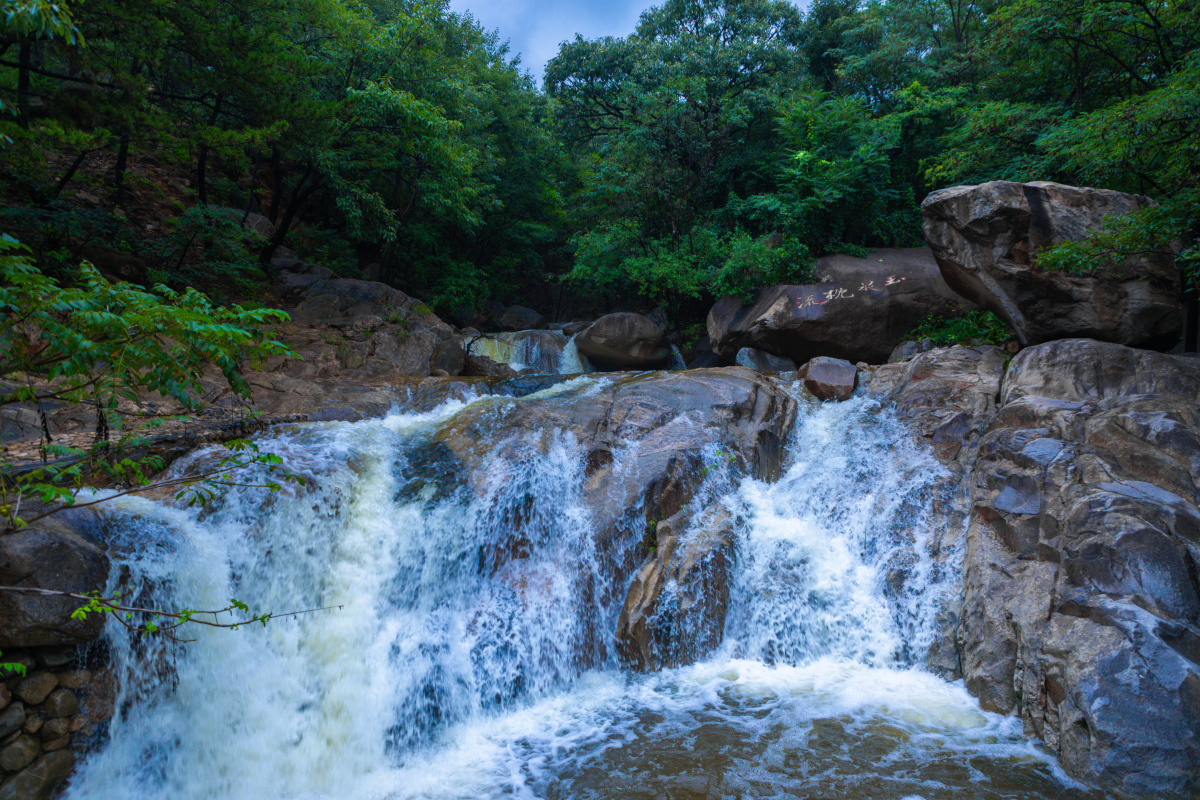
x: 535, y: 28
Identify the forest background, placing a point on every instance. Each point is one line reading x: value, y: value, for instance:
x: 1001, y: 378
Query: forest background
x: 722, y: 146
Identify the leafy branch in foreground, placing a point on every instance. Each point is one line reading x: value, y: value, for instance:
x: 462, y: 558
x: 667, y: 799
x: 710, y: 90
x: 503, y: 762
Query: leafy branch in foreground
x: 96, y: 603
x: 97, y: 345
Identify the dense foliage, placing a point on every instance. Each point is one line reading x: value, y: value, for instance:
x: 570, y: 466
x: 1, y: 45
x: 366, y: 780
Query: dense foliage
x: 720, y: 146
x: 105, y: 347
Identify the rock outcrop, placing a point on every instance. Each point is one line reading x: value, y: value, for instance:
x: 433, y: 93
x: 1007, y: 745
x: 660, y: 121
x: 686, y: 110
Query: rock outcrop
x: 858, y: 311
x: 644, y: 440
x: 624, y: 341
x: 986, y: 240
x: 1080, y: 608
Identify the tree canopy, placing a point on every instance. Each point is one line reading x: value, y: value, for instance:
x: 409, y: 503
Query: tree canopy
x: 720, y: 146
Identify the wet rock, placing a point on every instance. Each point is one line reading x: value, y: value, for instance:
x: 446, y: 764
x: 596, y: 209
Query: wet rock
x: 484, y: 366
x: 37, y: 687
x: 1080, y: 608
x: 579, y: 326
x: 701, y: 355
x: 675, y: 609
x: 540, y: 352
x: 55, y: 656
x: 50, y: 745
x: 909, y: 349
x: 829, y: 378
x: 763, y: 362
x: 57, y: 554
x: 75, y: 679
x: 20, y: 753
x: 662, y: 423
x: 402, y: 336
x: 986, y: 239
x: 857, y: 311
x: 624, y: 341
x: 54, y: 729
x: 5, y: 699
x: 61, y: 703
x: 949, y: 396
x: 12, y: 719
x: 39, y: 781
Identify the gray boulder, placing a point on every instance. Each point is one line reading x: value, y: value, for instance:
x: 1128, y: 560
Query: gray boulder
x: 518, y: 318
x: 763, y: 362
x: 56, y: 554
x: 986, y: 240
x: 400, y: 336
x: 857, y: 312
x: 624, y: 341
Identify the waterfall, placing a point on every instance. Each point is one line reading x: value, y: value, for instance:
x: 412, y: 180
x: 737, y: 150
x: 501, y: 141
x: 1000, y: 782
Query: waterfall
x: 546, y: 352
x: 465, y: 648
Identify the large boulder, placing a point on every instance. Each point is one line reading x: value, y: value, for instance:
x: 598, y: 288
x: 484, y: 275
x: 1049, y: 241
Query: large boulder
x: 1080, y: 606
x: 624, y: 341
x: 858, y: 311
x: 382, y: 334
x: 986, y: 240
x: 518, y: 318
x: 56, y: 554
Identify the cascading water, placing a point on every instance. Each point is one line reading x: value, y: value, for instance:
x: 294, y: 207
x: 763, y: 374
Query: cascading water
x: 547, y: 352
x: 468, y: 652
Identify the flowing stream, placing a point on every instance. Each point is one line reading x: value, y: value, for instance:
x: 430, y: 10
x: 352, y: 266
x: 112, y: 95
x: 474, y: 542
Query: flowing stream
x: 441, y: 670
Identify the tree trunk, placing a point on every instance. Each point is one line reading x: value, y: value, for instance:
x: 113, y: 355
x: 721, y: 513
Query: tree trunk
x: 304, y: 189
x: 202, y: 159
x: 1191, y: 311
x: 253, y: 184
x: 24, y: 57
x: 70, y: 173
x: 119, y: 170
x: 276, y: 184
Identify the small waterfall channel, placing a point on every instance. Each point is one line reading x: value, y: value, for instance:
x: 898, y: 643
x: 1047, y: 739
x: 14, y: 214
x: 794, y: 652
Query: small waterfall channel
x: 445, y: 670
x: 546, y: 352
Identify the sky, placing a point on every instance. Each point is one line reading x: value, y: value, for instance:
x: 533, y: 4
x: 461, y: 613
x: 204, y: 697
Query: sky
x: 535, y: 28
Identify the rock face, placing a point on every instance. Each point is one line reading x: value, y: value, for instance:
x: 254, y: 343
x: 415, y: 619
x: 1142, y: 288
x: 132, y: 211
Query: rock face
x: 387, y: 333
x: 624, y: 341
x: 1080, y: 609
x: 644, y: 441
x: 986, y: 239
x: 857, y: 312
x: 829, y: 378
x: 51, y: 554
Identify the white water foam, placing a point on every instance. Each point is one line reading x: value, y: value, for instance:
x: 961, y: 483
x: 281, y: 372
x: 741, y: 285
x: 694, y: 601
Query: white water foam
x: 448, y: 669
